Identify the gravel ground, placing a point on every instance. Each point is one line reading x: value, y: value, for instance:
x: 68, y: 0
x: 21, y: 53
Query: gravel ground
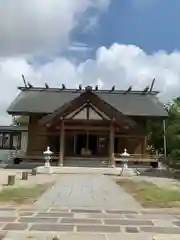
x: 32, y: 180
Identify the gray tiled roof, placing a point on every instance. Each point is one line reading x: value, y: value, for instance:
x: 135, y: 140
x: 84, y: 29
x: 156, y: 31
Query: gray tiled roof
x: 12, y: 128
x: 47, y: 101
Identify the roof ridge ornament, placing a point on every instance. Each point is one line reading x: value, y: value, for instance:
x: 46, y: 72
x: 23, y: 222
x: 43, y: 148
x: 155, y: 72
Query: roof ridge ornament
x: 24, y: 80
x: 29, y: 85
x: 88, y: 89
x: 80, y: 87
x: 63, y: 86
x: 129, y: 89
x: 145, y: 90
x: 46, y: 85
x: 112, y: 89
x: 152, y: 85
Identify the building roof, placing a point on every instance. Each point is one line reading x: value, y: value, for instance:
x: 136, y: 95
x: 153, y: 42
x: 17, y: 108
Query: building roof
x: 86, y: 99
x: 42, y: 100
x: 12, y: 128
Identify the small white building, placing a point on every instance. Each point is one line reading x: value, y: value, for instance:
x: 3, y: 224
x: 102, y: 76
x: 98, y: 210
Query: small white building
x: 12, y: 138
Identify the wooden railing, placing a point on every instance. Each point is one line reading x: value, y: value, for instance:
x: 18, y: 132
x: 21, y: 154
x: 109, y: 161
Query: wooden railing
x: 36, y: 155
x: 117, y: 157
x: 137, y: 158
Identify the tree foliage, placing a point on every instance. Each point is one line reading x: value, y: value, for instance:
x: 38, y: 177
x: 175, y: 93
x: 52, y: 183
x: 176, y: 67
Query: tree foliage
x: 156, y: 133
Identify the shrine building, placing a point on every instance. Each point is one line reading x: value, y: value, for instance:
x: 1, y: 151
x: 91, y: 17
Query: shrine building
x: 87, y: 122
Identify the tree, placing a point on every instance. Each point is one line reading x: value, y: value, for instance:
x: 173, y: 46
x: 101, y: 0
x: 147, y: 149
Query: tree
x: 155, y: 135
x: 20, y: 120
x: 173, y: 128
x: 155, y: 130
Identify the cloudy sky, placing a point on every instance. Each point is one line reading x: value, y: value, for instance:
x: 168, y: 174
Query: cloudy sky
x: 105, y: 42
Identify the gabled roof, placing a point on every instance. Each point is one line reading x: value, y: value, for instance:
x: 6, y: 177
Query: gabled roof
x: 88, y: 97
x: 87, y: 112
x: 41, y: 100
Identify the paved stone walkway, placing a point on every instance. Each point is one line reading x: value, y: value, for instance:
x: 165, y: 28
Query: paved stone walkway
x: 90, y: 207
x: 89, y: 190
x: 80, y: 224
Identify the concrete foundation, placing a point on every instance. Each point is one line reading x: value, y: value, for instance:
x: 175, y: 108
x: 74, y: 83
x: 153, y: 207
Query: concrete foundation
x: 44, y: 169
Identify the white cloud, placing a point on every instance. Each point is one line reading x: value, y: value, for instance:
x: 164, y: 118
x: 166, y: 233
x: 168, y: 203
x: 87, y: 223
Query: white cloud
x: 37, y: 26
x: 120, y: 65
x: 78, y: 47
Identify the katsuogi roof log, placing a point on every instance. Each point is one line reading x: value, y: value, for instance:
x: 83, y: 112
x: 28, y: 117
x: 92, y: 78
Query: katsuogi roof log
x: 47, y: 100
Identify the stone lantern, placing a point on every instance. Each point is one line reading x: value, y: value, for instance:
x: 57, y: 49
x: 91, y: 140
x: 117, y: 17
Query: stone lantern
x: 125, y: 155
x: 126, y: 171
x: 46, y: 168
x: 47, y: 157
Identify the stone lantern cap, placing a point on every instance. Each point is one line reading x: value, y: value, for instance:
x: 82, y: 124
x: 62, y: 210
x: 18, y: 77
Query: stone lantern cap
x: 48, y: 152
x: 125, y: 153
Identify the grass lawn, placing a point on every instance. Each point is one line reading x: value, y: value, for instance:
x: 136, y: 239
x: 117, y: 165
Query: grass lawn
x: 23, y: 195
x: 150, y: 195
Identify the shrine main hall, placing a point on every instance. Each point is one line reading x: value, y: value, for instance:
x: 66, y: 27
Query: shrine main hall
x: 87, y: 122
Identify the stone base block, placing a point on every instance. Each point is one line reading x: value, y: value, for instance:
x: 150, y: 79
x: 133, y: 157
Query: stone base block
x: 44, y: 170
x: 128, y: 172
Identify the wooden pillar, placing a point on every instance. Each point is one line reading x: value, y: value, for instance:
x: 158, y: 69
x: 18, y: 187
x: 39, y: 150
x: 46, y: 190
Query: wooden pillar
x: 87, y: 141
x: 165, y: 143
x: 111, y: 145
x: 144, y: 145
x: 61, y: 154
x: 74, y: 142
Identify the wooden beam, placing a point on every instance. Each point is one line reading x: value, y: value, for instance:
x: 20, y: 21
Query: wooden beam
x: 111, y: 145
x: 61, y: 154
x: 165, y: 142
x: 76, y: 112
x: 129, y: 136
x: 94, y: 130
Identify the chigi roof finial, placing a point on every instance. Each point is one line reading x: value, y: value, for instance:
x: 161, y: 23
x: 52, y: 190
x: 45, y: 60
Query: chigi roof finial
x: 89, y: 89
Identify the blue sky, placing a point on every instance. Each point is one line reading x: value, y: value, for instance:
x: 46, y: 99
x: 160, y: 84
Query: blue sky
x: 89, y: 42
x: 150, y: 24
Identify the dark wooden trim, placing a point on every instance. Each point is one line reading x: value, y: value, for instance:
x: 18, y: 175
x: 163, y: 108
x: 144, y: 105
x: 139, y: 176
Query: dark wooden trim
x: 88, y: 106
x: 87, y: 116
x: 24, y: 113
x: 80, y: 121
x: 98, y: 131
x: 129, y: 136
x: 103, y: 106
x: 76, y: 113
x: 93, y: 108
x: 23, y: 88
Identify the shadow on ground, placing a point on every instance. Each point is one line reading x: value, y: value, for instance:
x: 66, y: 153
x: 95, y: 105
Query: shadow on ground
x: 28, y: 165
x: 144, y: 170
x: 161, y: 173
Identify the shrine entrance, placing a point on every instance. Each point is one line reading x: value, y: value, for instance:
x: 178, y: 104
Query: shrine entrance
x: 87, y: 145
